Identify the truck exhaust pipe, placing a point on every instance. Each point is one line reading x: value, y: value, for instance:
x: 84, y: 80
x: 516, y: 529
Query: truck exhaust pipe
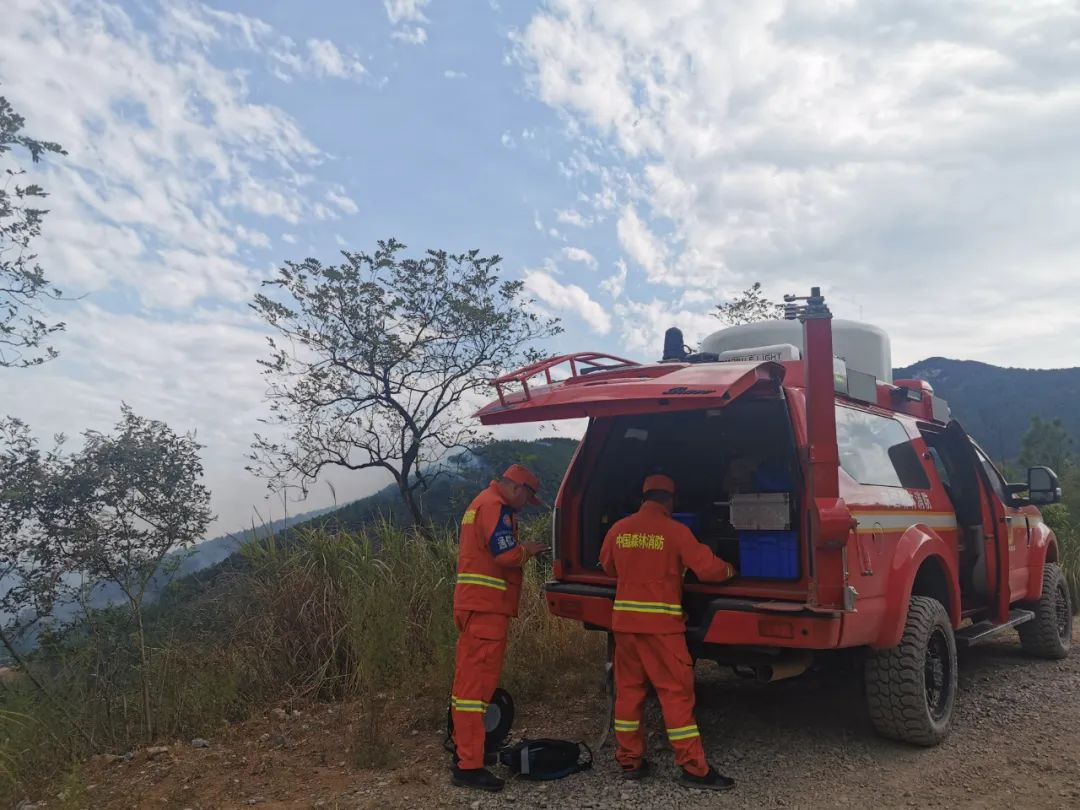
x: 782, y: 669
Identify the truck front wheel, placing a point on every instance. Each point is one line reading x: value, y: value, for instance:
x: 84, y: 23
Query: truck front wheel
x: 911, y: 688
x: 1049, y: 634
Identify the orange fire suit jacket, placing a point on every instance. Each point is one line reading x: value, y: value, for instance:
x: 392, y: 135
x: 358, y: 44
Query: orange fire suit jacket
x: 490, y: 558
x: 648, y: 552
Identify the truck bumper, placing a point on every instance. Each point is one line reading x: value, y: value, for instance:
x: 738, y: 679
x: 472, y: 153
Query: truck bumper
x: 761, y: 628
x: 725, y: 620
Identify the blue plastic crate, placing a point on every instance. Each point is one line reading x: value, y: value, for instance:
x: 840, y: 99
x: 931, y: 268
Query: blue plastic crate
x: 768, y: 554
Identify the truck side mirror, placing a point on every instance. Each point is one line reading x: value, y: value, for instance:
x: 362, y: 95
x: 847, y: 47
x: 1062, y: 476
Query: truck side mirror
x: 1043, y: 487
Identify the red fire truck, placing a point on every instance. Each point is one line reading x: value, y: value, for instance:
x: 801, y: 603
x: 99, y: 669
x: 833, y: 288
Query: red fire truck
x: 858, y: 514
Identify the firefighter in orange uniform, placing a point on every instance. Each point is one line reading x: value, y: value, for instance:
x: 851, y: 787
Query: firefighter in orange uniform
x: 648, y: 552
x: 486, y: 596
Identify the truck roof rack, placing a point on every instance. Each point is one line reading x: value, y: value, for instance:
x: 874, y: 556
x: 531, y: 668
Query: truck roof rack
x: 581, y: 363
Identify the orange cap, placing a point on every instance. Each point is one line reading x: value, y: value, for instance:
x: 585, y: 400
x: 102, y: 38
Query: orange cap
x: 520, y: 475
x: 661, y: 483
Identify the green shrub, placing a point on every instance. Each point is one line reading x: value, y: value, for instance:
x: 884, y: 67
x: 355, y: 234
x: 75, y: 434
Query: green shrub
x: 1066, y: 526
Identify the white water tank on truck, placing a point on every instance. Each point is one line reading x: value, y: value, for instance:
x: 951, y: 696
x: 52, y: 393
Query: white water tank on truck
x: 861, y: 346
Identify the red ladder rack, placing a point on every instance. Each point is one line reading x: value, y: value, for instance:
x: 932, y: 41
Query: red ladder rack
x: 592, y: 362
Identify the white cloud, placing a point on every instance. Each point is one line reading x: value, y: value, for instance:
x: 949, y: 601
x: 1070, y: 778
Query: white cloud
x: 576, y: 254
x: 164, y: 149
x: 614, y: 284
x: 572, y: 217
x: 252, y: 237
x: 408, y: 11
x: 455, y: 74
x: 642, y: 245
x: 568, y: 298
x: 196, y: 22
x: 413, y: 36
x: 878, y: 149
x: 642, y: 324
x: 327, y: 60
x: 691, y: 297
x: 175, y: 179
x: 507, y: 140
x: 343, y: 201
x: 324, y: 212
x: 405, y: 10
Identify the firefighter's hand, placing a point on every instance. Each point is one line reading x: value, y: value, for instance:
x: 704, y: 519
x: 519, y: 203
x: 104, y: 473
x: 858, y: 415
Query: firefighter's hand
x: 534, y: 549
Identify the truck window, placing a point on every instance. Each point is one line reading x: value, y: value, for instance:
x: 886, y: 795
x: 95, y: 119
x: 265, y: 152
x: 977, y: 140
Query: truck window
x: 997, y: 483
x: 876, y: 450
x: 939, y: 465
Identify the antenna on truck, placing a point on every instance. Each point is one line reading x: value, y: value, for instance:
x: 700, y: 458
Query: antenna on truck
x: 814, y: 309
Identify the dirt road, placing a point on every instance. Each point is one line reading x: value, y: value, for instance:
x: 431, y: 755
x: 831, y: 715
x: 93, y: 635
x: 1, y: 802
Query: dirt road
x: 799, y: 743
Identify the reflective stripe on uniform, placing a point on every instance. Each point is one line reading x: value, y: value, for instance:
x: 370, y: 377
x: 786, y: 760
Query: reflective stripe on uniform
x: 469, y: 518
x: 648, y: 607
x: 466, y: 578
x: 627, y: 725
x: 683, y: 733
x: 462, y: 705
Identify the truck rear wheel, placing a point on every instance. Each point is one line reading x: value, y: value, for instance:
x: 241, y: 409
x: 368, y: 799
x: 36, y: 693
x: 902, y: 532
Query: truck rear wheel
x: 911, y: 688
x: 1049, y: 634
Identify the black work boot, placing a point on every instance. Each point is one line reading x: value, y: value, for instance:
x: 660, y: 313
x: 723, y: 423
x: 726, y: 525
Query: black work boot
x: 713, y: 780
x: 479, y: 778
x: 640, y: 772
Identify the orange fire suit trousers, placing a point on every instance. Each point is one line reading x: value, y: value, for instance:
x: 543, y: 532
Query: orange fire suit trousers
x: 663, y: 661
x: 481, y: 646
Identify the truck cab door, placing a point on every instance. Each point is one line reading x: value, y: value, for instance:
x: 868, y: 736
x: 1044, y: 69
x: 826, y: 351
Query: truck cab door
x: 979, y: 507
x: 1016, y: 530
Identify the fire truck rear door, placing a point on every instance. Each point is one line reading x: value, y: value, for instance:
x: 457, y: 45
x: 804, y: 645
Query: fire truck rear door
x: 699, y: 386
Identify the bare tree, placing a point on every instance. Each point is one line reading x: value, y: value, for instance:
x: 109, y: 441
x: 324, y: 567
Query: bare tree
x: 749, y: 306
x: 375, y: 359
x: 22, y: 280
x: 121, y: 506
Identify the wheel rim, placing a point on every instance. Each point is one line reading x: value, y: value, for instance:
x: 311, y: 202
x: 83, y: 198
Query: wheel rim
x: 1063, y: 613
x: 938, y: 674
x: 492, y: 718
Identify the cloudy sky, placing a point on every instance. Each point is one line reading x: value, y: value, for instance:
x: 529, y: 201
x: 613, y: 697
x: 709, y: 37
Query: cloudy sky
x: 633, y: 161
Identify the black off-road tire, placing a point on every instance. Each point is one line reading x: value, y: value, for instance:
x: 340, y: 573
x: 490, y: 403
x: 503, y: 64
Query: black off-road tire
x: 1049, y: 634
x: 911, y: 688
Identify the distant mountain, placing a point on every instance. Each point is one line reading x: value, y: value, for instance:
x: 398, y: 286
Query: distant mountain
x: 996, y: 404
x: 463, y: 477
x: 212, y: 551
x: 186, y: 561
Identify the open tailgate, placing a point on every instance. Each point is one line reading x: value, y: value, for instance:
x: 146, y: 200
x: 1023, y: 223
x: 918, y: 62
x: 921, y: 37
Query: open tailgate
x: 625, y: 388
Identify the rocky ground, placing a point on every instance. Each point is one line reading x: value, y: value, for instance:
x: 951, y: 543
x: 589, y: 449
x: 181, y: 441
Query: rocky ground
x: 800, y: 743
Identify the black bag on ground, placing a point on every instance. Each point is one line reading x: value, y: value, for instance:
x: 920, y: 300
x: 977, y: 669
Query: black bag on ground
x: 545, y: 759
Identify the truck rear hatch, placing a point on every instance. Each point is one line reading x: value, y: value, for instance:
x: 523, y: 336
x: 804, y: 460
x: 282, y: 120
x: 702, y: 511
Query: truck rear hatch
x: 625, y: 389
